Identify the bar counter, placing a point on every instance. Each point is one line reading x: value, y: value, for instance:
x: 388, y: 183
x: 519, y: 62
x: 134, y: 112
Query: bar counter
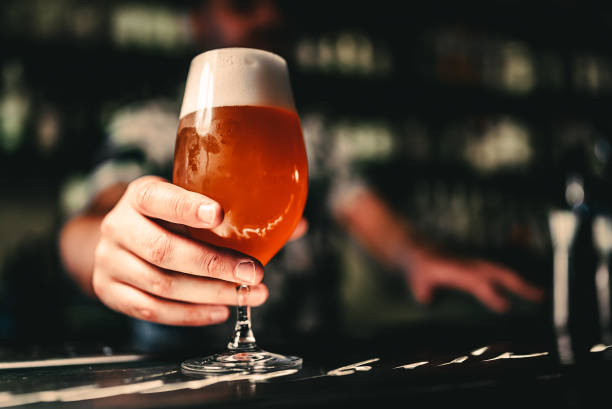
x: 385, y: 370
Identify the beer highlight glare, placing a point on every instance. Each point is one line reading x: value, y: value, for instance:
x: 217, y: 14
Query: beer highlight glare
x: 205, y: 100
x: 227, y: 228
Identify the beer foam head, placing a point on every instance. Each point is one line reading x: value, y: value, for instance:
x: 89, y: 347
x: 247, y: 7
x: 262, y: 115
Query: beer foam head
x: 237, y: 76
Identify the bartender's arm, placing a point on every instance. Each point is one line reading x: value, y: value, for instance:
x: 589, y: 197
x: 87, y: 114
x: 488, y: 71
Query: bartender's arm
x: 367, y: 217
x: 121, y: 250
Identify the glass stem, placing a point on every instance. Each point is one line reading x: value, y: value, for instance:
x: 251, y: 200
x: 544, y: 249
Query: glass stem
x: 243, y: 338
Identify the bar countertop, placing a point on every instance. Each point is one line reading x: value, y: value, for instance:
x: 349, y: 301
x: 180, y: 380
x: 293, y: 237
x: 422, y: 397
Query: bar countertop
x: 380, y: 371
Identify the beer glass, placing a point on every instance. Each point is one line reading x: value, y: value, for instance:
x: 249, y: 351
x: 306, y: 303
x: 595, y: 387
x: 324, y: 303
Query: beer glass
x: 240, y: 143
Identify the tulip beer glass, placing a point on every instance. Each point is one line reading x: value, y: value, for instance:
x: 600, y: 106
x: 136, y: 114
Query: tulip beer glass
x: 240, y: 143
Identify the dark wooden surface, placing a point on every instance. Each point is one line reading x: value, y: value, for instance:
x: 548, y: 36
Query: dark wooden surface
x: 453, y: 376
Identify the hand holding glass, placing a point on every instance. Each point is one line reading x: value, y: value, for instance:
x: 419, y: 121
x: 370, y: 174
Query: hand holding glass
x: 240, y: 143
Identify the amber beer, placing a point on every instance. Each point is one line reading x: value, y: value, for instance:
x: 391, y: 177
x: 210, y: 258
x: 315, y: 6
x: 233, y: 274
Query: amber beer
x: 239, y: 142
x: 252, y: 160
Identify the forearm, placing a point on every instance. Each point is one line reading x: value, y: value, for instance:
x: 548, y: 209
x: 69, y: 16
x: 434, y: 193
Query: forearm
x: 78, y: 240
x: 371, y: 222
x: 388, y: 239
x: 80, y: 235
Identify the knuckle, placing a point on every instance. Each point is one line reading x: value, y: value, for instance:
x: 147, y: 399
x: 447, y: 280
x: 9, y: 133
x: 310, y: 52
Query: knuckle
x: 212, y: 264
x: 159, y: 249
x: 192, y: 316
x: 160, y: 284
x: 103, y: 254
x: 181, y: 208
x: 142, y: 191
x: 106, y: 226
x: 100, y: 252
x: 144, y: 313
x: 97, y: 284
x: 141, y: 310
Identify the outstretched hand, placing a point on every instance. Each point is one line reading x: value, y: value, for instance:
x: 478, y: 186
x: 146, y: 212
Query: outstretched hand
x: 148, y: 271
x: 484, y: 280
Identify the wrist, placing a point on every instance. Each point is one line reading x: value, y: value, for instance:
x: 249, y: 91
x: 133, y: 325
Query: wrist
x: 411, y: 259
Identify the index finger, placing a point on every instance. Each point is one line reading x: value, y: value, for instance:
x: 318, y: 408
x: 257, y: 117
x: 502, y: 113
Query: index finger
x: 460, y: 278
x: 513, y: 282
x: 148, y: 240
x: 155, y: 197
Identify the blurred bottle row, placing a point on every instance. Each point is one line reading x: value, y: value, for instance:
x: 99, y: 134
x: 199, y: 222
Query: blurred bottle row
x: 147, y: 25
x: 451, y: 53
x: 456, y: 55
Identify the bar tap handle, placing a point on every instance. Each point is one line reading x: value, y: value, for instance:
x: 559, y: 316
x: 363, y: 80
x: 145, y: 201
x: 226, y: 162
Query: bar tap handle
x: 563, y: 225
x: 602, y: 237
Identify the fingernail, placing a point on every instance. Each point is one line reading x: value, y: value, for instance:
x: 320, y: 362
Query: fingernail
x: 218, y: 315
x: 206, y: 213
x: 245, y: 271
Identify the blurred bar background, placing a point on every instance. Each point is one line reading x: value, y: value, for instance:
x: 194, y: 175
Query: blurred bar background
x: 474, y: 120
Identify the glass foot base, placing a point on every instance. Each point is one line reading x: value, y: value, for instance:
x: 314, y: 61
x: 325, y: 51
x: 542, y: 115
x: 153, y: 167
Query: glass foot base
x: 229, y: 362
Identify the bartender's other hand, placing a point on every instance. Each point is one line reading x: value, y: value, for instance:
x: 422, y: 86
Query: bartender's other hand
x: 479, y: 278
x: 149, y: 272
x: 300, y: 230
